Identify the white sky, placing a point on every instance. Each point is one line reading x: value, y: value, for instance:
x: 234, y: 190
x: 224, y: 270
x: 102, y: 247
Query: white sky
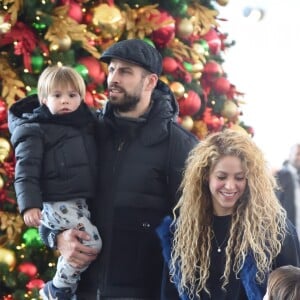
x: 265, y: 65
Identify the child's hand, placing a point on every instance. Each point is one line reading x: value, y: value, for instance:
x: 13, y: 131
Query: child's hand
x: 32, y: 217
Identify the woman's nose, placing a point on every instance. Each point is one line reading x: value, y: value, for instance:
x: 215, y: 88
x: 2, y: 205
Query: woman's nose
x: 229, y: 184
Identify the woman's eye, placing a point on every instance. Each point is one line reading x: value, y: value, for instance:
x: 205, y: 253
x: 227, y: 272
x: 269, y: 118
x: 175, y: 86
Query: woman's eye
x: 240, y: 178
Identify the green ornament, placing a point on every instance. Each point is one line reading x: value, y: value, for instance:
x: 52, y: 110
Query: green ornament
x: 37, y: 63
x: 205, y: 45
x: 33, y: 91
x: 82, y: 70
x: 182, y: 9
x: 32, y: 238
x: 39, y: 26
x: 188, y: 66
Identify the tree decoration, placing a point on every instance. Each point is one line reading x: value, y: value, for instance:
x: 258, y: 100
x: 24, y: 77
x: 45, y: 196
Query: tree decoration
x: 5, y: 149
x: 64, y: 25
x: 108, y: 21
x: 143, y: 21
x: 35, y: 34
x: 28, y: 268
x: 24, y: 41
x: 203, y: 18
x: 7, y: 257
x: 12, y: 86
x: 4, y: 26
x: 32, y: 238
x: 35, y: 284
x: 11, y: 225
x: 189, y: 104
x: 166, y: 32
x: 14, y: 6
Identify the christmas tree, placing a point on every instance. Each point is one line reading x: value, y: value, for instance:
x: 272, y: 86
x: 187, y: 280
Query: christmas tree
x: 35, y: 34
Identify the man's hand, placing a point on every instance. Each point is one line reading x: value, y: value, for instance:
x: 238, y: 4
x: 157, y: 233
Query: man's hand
x: 75, y: 253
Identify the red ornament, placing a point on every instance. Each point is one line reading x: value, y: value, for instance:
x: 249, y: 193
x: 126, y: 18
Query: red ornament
x: 212, y: 70
x: 35, y: 284
x: 221, y: 85
x: 213, y: 40
x: 89, y: 99
x: 28, y: 268
x: 170, y: 65
x: 75, y: 11
x: 93, y: 66
x: 189, y: 105
x: 163, y: 35
x: 3, y: 112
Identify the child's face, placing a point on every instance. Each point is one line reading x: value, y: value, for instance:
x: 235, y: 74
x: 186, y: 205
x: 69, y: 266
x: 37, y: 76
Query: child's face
x: 62, y: 100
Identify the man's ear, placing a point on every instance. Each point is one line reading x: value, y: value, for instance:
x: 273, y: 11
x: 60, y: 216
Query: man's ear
x: 152, y: 81
x: 44, y: 101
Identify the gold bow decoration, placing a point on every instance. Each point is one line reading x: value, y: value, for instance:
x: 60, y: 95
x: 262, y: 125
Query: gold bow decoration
x: 11, y: 224
x: 12, y: 86
x: 63, y: 26
x: 141, y: 22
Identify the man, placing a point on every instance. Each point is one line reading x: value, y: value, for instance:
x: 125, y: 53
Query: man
x: 142, y: 155
x: 289, y: 182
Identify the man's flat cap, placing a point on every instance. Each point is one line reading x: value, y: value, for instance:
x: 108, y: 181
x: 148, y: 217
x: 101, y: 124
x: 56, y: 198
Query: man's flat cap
x: 137, y: 52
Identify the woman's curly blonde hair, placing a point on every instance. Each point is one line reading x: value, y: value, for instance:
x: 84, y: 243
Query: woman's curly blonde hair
x: 258, y: 221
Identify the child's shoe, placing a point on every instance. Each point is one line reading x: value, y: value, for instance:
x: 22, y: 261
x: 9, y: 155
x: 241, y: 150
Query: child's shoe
x: 50, y: 292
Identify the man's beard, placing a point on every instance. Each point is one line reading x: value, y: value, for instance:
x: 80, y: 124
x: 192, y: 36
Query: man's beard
x: 126, y: 104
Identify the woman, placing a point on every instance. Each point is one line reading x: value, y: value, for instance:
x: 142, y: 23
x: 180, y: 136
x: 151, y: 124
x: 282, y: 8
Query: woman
x: 229, y: 229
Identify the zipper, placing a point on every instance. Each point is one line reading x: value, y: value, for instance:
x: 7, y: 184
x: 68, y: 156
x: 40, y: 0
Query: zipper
x: 120, y: 147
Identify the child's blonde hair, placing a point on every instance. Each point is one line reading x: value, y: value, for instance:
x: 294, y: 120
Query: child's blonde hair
x: 57, y: 76
x: 284, y: 283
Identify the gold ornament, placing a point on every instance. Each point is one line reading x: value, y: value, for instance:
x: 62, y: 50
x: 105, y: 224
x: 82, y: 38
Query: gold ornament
x: 4, y: 26
x: 229, y: 110
x: 222, y: 2
x: 197, y: 75
x: 200, y: 129
x: 197, y: 67
x: 62, y: 44
x: 164, y: 79
x: 187, y: 123
x: 8, y: 257
x: 109, y: 20
x: 1, y: 182
x: 185, y: 28
x: 5, y: 149
x: 178, y: 89
x: 199, y: 49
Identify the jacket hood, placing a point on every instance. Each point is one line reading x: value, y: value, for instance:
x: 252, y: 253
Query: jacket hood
x: 21, y: 112
x: 163, y: 90
x: 29, y: 110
